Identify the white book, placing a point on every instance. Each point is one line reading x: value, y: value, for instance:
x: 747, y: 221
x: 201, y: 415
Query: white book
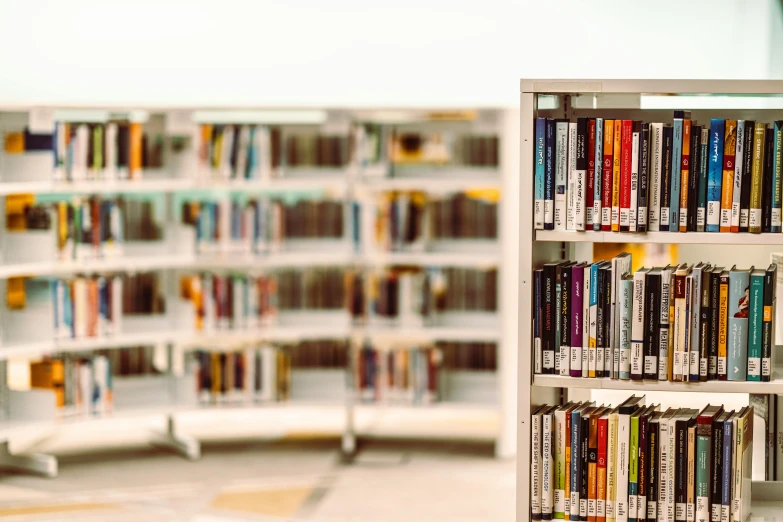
x: 560, y: 450
x: 585, y: 326
x: 663, y: 347
x: 678, y: 324
x: 100, y: 365
x: 580, y: 197
x: 571, y: 193
x: 238, y: 303
x: 244, y: 144
x: 547, y: 466
x: 686, y: 319
x: 637, y: 323
x: 224, y: 224
x: 634, y: 183
x: 623, y: 446
x: 739, y: 165
x: 620, y: 265
x: 110, y: 141
x: 80, y: 153
x: 535, y: 462
x: 654, y: 197
x: 561, y: 174
x: 693, y: 352
x: 79, y: 307
x: 598, y: 173
x: 85, y: 387
x: 663, y: 467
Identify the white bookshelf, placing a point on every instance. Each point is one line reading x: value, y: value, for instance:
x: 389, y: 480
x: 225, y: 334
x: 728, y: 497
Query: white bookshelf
x: 176, y: 254
x: 572, y: 98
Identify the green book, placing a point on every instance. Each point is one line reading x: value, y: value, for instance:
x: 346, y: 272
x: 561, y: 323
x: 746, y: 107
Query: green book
x: 97, y: 144
x: 759, y: 135
x: 633, y: 468
x: 703, y: 461
x: 755, y: 324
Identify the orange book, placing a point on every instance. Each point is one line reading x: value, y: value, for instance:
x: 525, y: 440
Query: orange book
x: 205, y: 145
x: 616, y: 160
x: 134, y: 163
x: 727, y: 187
x: 685, y: 174
x: 92, y: 307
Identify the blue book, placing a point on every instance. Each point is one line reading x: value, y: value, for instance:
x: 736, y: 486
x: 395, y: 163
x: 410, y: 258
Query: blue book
x: 356, y: 222
x: 540, y: 172
x: 598, y: 177
x: 549, y: 176
x: 739, y: 310
x: 252, y: 154
x: 103, y: 303
x: 715, y: 174
x: 67, y: 304
x: 674, y: 184
x: 777, y: 145
x: 755, y: 324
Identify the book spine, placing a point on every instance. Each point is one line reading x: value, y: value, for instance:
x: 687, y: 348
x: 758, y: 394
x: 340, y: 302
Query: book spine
x: 547, y: 468
x: 626, y: 155
x: 561, y: 173
x: 697, y: 160
x: 571, y: 193
x: 633, y: 470
x: 766, y: 183
x: 671, y: 485
x: 716, y: 472
x: 588, y: 356
x: 643, y: 469
x: 549, y: 176
x: 717, y: 134
x: 679, y: 321
x: 565, y: 320
x: 656, y: 170
x: 590, y: 178
x: 690, y: 495
x: 739, y: 163
x: 747, y: 174
x: 576, y: 464
x: 663, y: 470
x: 723, y: 322
x: 727, y: 184
x: 577, y: 309
x: 592, y: 470
x: 652, y: 316
x: 686, y: 374
x: 674, y: 187
x: 627, y: 288
x: 681, y: 471
x: 637, y: 326
x: 580, y: 200
x: 755, y: 320
x: 600, y: 323
x: 754, y: 220
x: 738, y: 325
x: 653, y: 451
x: 705, y: 326
x: 560, y: 470
x: 616, y: 173
x: 607, y: 181
x: 766, y: 333
x: 567, y: 469
x: 644, y: 180
x: 603, y: 429
x: 611, y: 469
x: 663, y: 327
x: 585, y: 469
x: 685, y: 173
x: 777, y: 145
x: 593, y: 321
x: 728, y: 468
x: 634, y: 201
x: 535, y: 467
x: 666, y: 177
x: 695, y: 326
x: 598, y: 164
x: 548, y: 330
x: 623, y: 466
x: 537, y: 320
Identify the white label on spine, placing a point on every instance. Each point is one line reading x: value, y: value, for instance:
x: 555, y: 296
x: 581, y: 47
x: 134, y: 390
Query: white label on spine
x: 677, y: 362
x: 576, y: 357
x: 549, y: 211
x: 702, y: 509
x: 775, y: 217
x: 703, y: 367
x: 600, y: 364
x: 755, y: 217
x: 713, y: 212
x: 724, y: 513
x: 689, y: 512
x: 632, y: 506
x: 743, y: 217
x: 694, y: 367
x: 652, y: 509
x: 766, y: 367
x: 700, y: 213
x: 721, y: 365
x: 625, y: 217
x: 549, y: 359
x: 754, y: 366
x: 680, y: 510
x: 641, y: 509
x: 559, y: 501
x: 642, y: 216
x: 683, y: 216
x: 665, y: 216
x: 636, y: 358
x: 600, y: 508
x: 735, y: 210
x: 590, y: 507
x: 583, y: 508
x: 606, y: 216
x: 537, y: 360
x: 589, y: 218
x: 650, y: 364
x: 725, y: 217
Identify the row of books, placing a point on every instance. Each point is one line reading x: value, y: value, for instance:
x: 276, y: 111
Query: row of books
x: 676, y: 323
x: 401, y: 375
x: 87, y: 306
x: 442, y: 148
x: 236, y: 301
x: 468, y: 356
x: 311, y: 289
x: 635, y: 462
x: 143, y: 294
x: 261, y: 373
x: 633, y: 176
x: 80, y: 384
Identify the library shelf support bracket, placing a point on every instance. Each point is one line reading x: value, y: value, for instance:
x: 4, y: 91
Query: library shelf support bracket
x: 33, y: 463
x: 178, y: 443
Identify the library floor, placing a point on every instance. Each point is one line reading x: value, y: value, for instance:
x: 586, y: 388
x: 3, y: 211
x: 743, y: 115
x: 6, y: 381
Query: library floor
x: 272, y: 481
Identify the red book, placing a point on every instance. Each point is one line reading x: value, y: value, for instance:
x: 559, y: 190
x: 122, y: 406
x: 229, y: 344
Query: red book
x: 590, y: 173
x: 603, y: 429
x: 606, y: 183
x: 625, y: 176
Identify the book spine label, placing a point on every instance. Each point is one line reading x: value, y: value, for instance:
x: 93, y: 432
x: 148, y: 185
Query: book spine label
x: 738, y: 166
x: 592, y: 344
x: 607, y: 181
x: 617, y: 173
x: 580, y: 199
x: 727, y: 186
x: 626, y: 308
x: 637, y: 326
x: 738, y: 325
x: 577, y: 309
x: 600, y: 508
x: 685, y: 172
x: 723, y: 321
x: 571, y: 193
x: 634, y: 201
x: 656, y: 166
x: 590, y: 184
x: 754, y: 220
x: 663, y: 346
x: 597, y: 217
x: 561, y: 173
x: 777, y: 145
x: 766, y: 332
x: 755, y: 320
x: 676, y: 171
x: 717, y: 134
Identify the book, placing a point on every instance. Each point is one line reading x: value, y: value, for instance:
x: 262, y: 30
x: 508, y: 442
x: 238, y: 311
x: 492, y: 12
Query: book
x: 598, y: 166
x: 549, y: 176
x: 652, y: 317
x: 696, y: 161
x: 592, y: 464
x: 561, y: 471
x: 747, y: 173
x: 580, y: 174
x: 626, y: 155
x: 538, y: 285
x: 565, y: 318
x: 536, y: 458
x: 656, y: 171
x: 590, y: 177
x: 571, y: 191
x: 729, y: 464
x: 664, y: 373
x: 644, y: 179
x: 626, y: 306
x: 558, y: 315
x: 585, y: 326
x: 604, y: 282
x: 666, y: 177
x: 685, y: 175
x: 633, y: 465
x: 727, y: 184
x: 695, y: 318
x: 616, y: 173
x: 643, y: 462
x: 653, y: 474
x: 621, y: 265
x: 744, y: 458
x: 607, y: 180
x: 767, y: 333
x: 680, y: 322
x: 767, y: 189
x: 664, y: 498
x: 705, y: 324
x: 716, y: 470
x: 676, y: 172
x: 547, y: 463
x: 601, y: 473
x: 690, y: 492
x: 561, y: 172
x: 755, y: 320
x: 577, y: 368
x: 739, y: 165
x: 684, y: 420
x: 637, y: 324
x: 593, y: 320
x: 611, y: 466
x: 715, y: 175
x: 723, y: 323
x: 757, y: 172
x: 777, y: 145
x: 548, y: 319
x: 576, y: 460
x: 703, y: 461
x: 628, y: 408
x: 636, y: 138
x: 738, y: 312
x: 701, y: 205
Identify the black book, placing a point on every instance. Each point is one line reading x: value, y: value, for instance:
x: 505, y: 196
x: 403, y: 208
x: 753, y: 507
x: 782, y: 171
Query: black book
x: 652, y: 331
x: 766, y: 325
x: 538, y: 277
x: 644, y: 179
x: 123, y: 145
x: 704, y: 323
x: 601, y: 330
x: 565, y: 313
x: 548, y: 318
x: 653, y: 472
x: 716, y: 478
x: 666, y: 176
x: 766, y: 182
x: 606, y: 304
x: 581, y: 165
x: 712, y: 353
x: 693, y: 179
x: 235, y: 145
x: 685, y: 419
x: 747, y: 174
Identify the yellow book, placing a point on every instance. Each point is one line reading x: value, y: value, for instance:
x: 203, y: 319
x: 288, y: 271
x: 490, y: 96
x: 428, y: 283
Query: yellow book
x: 685, y: 174
x: 616, y: 157
x: 49, y: 375
x: 611, y: 467
x: 14, y: 143
x: 607, y: 166
x: 727, y: 185
x: 217, y: 373
x: 723, y: 313
x: 759, y: 135
x: 134, y: 161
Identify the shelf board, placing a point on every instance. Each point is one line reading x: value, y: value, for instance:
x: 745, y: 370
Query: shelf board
x: 706, y: 238
x: 431, y: 184
x: 457, y: 259
x: 556, y: 381
x: 432, y: 333
x: 120, y: 263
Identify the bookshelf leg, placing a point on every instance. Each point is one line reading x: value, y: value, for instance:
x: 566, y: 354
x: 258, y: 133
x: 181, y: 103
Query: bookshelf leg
x: 183, y: 445
x: 34, y: 463
x: 349, y: 444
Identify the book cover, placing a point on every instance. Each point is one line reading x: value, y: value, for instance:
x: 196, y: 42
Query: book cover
x: 652, y: 317
x: 685, y: 174
x: 755, y: 320
x: 561, y: 172
x: 766, y: 183
x: 536, y: 457
x: 633, y: 466
x: 607, y: 181
x: 602, y: 445
x: 626, y: 299
x: 674, y: 187
x: 666, y: 177
x: 704, y: 323
x: 767, y: 337
x: 548, y: 318
x: 593, y: 320
x: 547, y: 464
x: 727, y: 183
x: 577, y: 309
x: 598, y: 167
x: 590, y: 177
x: 580, y: 174
x: 565, y: 319
x: 738, y: 312
x: 636, y: 138
x: 756, y: 179
x: 723, y: 324
x: 537, y: 329
x: 571, y: 191
x: 747, y: 173
x: 664, y: 373
x: 637, y: 324
x: 644, y: 179
x: 739, y: 165
x: 611, y: 466
x: 616, y: 173
x: 701, y: 205
x: 626, y: 154
x: 549, y: 175
x: 693, y: 180
x: 656, y: 171
x: 679, y: 322
x: 715, y: 175
x: 777, y: 145
x: 695, y: 322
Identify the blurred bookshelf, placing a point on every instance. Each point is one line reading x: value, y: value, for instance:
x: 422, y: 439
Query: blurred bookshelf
x: 161, y: 262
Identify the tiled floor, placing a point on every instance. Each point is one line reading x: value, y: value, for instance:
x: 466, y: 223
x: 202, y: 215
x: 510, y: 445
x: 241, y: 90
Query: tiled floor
x: 294, y: 480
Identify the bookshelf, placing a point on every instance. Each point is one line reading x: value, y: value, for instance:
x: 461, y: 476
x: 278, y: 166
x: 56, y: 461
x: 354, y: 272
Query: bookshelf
x: 326, y: 395
x: 626, y: 99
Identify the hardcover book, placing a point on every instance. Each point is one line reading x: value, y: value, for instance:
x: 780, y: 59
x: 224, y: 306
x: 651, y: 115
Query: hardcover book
x: 727, y: 185
x: 656, y: 171
x: 607, y: 181
x: 738, y: 313
x: 616, y: 173
x: 577, y: 309
x: 644, y: 177
x: 636, y: 138
x: 747, y: 173
x: 767, y: 333
x: 627, y: 286
x: 739, y: 164
x: 757, y: 172
x: 652, y: 317
x: 676, y: 172
x: 755, y: 320
x: 590, y: 183
x: 580, y: 175
x: 666, y: 177
x: 693, y: 180
x: 715, y: 175
x: 685, y: 174
x: 561, y: 173
x: 777, y: 145
x: 723, y: 324
x: 701, y: 205
x: 637, y: 324
x: 598, y: 165
x: 626, y: 155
